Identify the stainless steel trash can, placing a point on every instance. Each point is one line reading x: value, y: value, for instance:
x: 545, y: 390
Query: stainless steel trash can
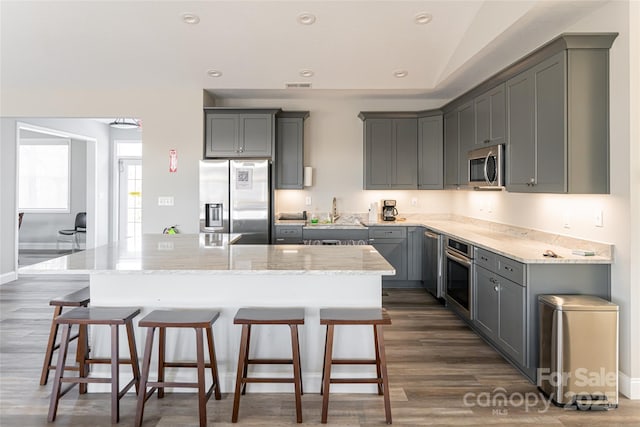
x: 578, y: 364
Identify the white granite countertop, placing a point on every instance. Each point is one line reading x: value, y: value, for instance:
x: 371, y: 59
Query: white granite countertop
x: 520, y: 244
x: 213, y: 254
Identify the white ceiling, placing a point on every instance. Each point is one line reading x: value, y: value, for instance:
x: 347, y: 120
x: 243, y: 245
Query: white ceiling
x: 353, y: 47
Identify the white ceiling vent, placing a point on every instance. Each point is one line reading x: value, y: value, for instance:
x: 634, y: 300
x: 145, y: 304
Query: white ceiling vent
x: 292, y: 85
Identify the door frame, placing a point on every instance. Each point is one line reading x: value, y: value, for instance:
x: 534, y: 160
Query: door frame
x: 92, y: 179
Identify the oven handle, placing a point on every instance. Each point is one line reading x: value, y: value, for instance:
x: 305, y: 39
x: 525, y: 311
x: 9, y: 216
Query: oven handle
x: 455, y: 257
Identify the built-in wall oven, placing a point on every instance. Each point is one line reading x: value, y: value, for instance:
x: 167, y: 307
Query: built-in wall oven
x: 458, y: 264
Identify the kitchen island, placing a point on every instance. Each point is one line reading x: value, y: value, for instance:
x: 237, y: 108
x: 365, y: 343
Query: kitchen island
x: 208, y: 271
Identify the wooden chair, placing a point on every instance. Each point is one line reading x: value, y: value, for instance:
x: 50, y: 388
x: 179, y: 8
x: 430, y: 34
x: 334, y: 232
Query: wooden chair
x: 268, y: 316
x: 200, y: 321
x: 355, y: 316
x: 84, y: 316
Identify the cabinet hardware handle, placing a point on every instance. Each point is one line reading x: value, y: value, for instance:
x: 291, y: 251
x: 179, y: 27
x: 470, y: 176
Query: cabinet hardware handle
x: 492, y: 280
x: 508, y: 268
x: 486, y: 141
x: 484, y: 258
x: 496, y: 288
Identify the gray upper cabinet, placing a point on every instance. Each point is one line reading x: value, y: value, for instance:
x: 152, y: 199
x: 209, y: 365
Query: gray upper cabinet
x: 289, y: 157
x: 466, y: 140
x: 558, y: 124
x: 491, y: 117
x: 239, y: 133
x: 451, y: 149
x: 390, y: 153
x: 430, y: 153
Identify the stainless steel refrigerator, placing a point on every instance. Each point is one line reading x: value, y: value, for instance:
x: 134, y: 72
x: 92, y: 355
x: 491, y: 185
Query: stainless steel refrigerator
x: 235, y: 197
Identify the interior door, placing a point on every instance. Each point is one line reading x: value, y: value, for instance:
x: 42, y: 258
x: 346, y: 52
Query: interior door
x: 130, y: 199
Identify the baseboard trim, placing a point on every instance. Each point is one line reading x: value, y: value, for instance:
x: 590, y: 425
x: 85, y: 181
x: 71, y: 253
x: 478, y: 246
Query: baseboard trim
x: 8, y: 277
x: 629, y: 387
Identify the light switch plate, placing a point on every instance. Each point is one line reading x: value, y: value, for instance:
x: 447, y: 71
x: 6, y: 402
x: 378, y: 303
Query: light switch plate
x: 165, y: 201
x: 597, y: 219
x: 307, y: 201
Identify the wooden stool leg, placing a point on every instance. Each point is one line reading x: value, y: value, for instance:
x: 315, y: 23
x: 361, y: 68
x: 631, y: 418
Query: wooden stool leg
x: 246, y: 360
x: 297, y: 371
x: 48, y: 356
x: 299, y: 364
x: 328, y: 356
x: 383, y: 370
x: 214, y: 364
x: 81, y: 356
x: 146, y: 362
x: 375, y: 341
x: 161, y: 347
x: 62, y: 356
x: 133, y: 353
x: 115, y: 375
x: 242, y: 357
x: 326, y: 334
x: 202, y: 395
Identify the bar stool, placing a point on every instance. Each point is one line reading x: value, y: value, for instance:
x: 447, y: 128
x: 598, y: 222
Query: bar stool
x: 84, y: 316
x: 200, y: 321
x: 355, y: 316
x: 75, y: 299
x: 268, y: 316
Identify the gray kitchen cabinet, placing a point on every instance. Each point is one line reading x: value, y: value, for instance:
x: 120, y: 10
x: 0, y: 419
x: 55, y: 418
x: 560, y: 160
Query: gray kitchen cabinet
x: 288, y: 234
x: 430, y: 153
x: 415, y: 238
x: 289, y: 155
x: 391, y: 242
x: 491, y: 117
x: 466, y: 140
x: 505, y: 297
x: 459, y: 136
x: 390, y: 153
x: 239, y: 133
x: 558, y: 121
x: 451, y: 164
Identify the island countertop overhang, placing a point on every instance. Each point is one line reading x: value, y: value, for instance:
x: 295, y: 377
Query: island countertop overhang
x: 209, y: 253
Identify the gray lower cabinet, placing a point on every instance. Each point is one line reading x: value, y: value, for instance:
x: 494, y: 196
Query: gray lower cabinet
x: 288, y: 234
x: 390, y: 153
x: 415, y: 243
x: 558, y: 124
x: 505, y: 300
x: 491, y: 117
x: 499, y: 312
x: 234, y: 133
x: 430, y: 154
x: 289, y: 156
x: 391, y: 242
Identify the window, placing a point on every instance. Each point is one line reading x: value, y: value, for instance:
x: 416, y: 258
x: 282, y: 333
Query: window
x: 44, y: 175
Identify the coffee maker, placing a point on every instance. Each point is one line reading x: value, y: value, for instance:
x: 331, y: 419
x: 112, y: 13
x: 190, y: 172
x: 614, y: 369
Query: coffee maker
x: 389, y: 210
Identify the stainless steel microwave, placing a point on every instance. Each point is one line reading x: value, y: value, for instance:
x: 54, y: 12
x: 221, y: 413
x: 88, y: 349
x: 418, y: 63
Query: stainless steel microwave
x: 486, y: 167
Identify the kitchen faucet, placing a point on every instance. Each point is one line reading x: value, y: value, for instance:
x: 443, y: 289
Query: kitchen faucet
x: 334, y: 211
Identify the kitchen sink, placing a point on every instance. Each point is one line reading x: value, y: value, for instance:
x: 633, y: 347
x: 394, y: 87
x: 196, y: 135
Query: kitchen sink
x: 334, y: 226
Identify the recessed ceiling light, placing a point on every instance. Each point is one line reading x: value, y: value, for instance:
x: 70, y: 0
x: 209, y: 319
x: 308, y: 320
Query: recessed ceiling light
x: 190, y: 18
x: 400, y: 73
x: 306, y: 73
x: 306, y: 18
x: 423, y: 18
x: 214, y: 73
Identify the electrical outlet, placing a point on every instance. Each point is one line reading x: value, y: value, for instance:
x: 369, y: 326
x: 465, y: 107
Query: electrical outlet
x: 597, y: 219
x: 414, y: 201
x: 165, y: 201
x: 307, y: 201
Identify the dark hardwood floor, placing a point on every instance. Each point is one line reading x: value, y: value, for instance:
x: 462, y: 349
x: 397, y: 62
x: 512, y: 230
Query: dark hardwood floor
x: 440, y: 373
